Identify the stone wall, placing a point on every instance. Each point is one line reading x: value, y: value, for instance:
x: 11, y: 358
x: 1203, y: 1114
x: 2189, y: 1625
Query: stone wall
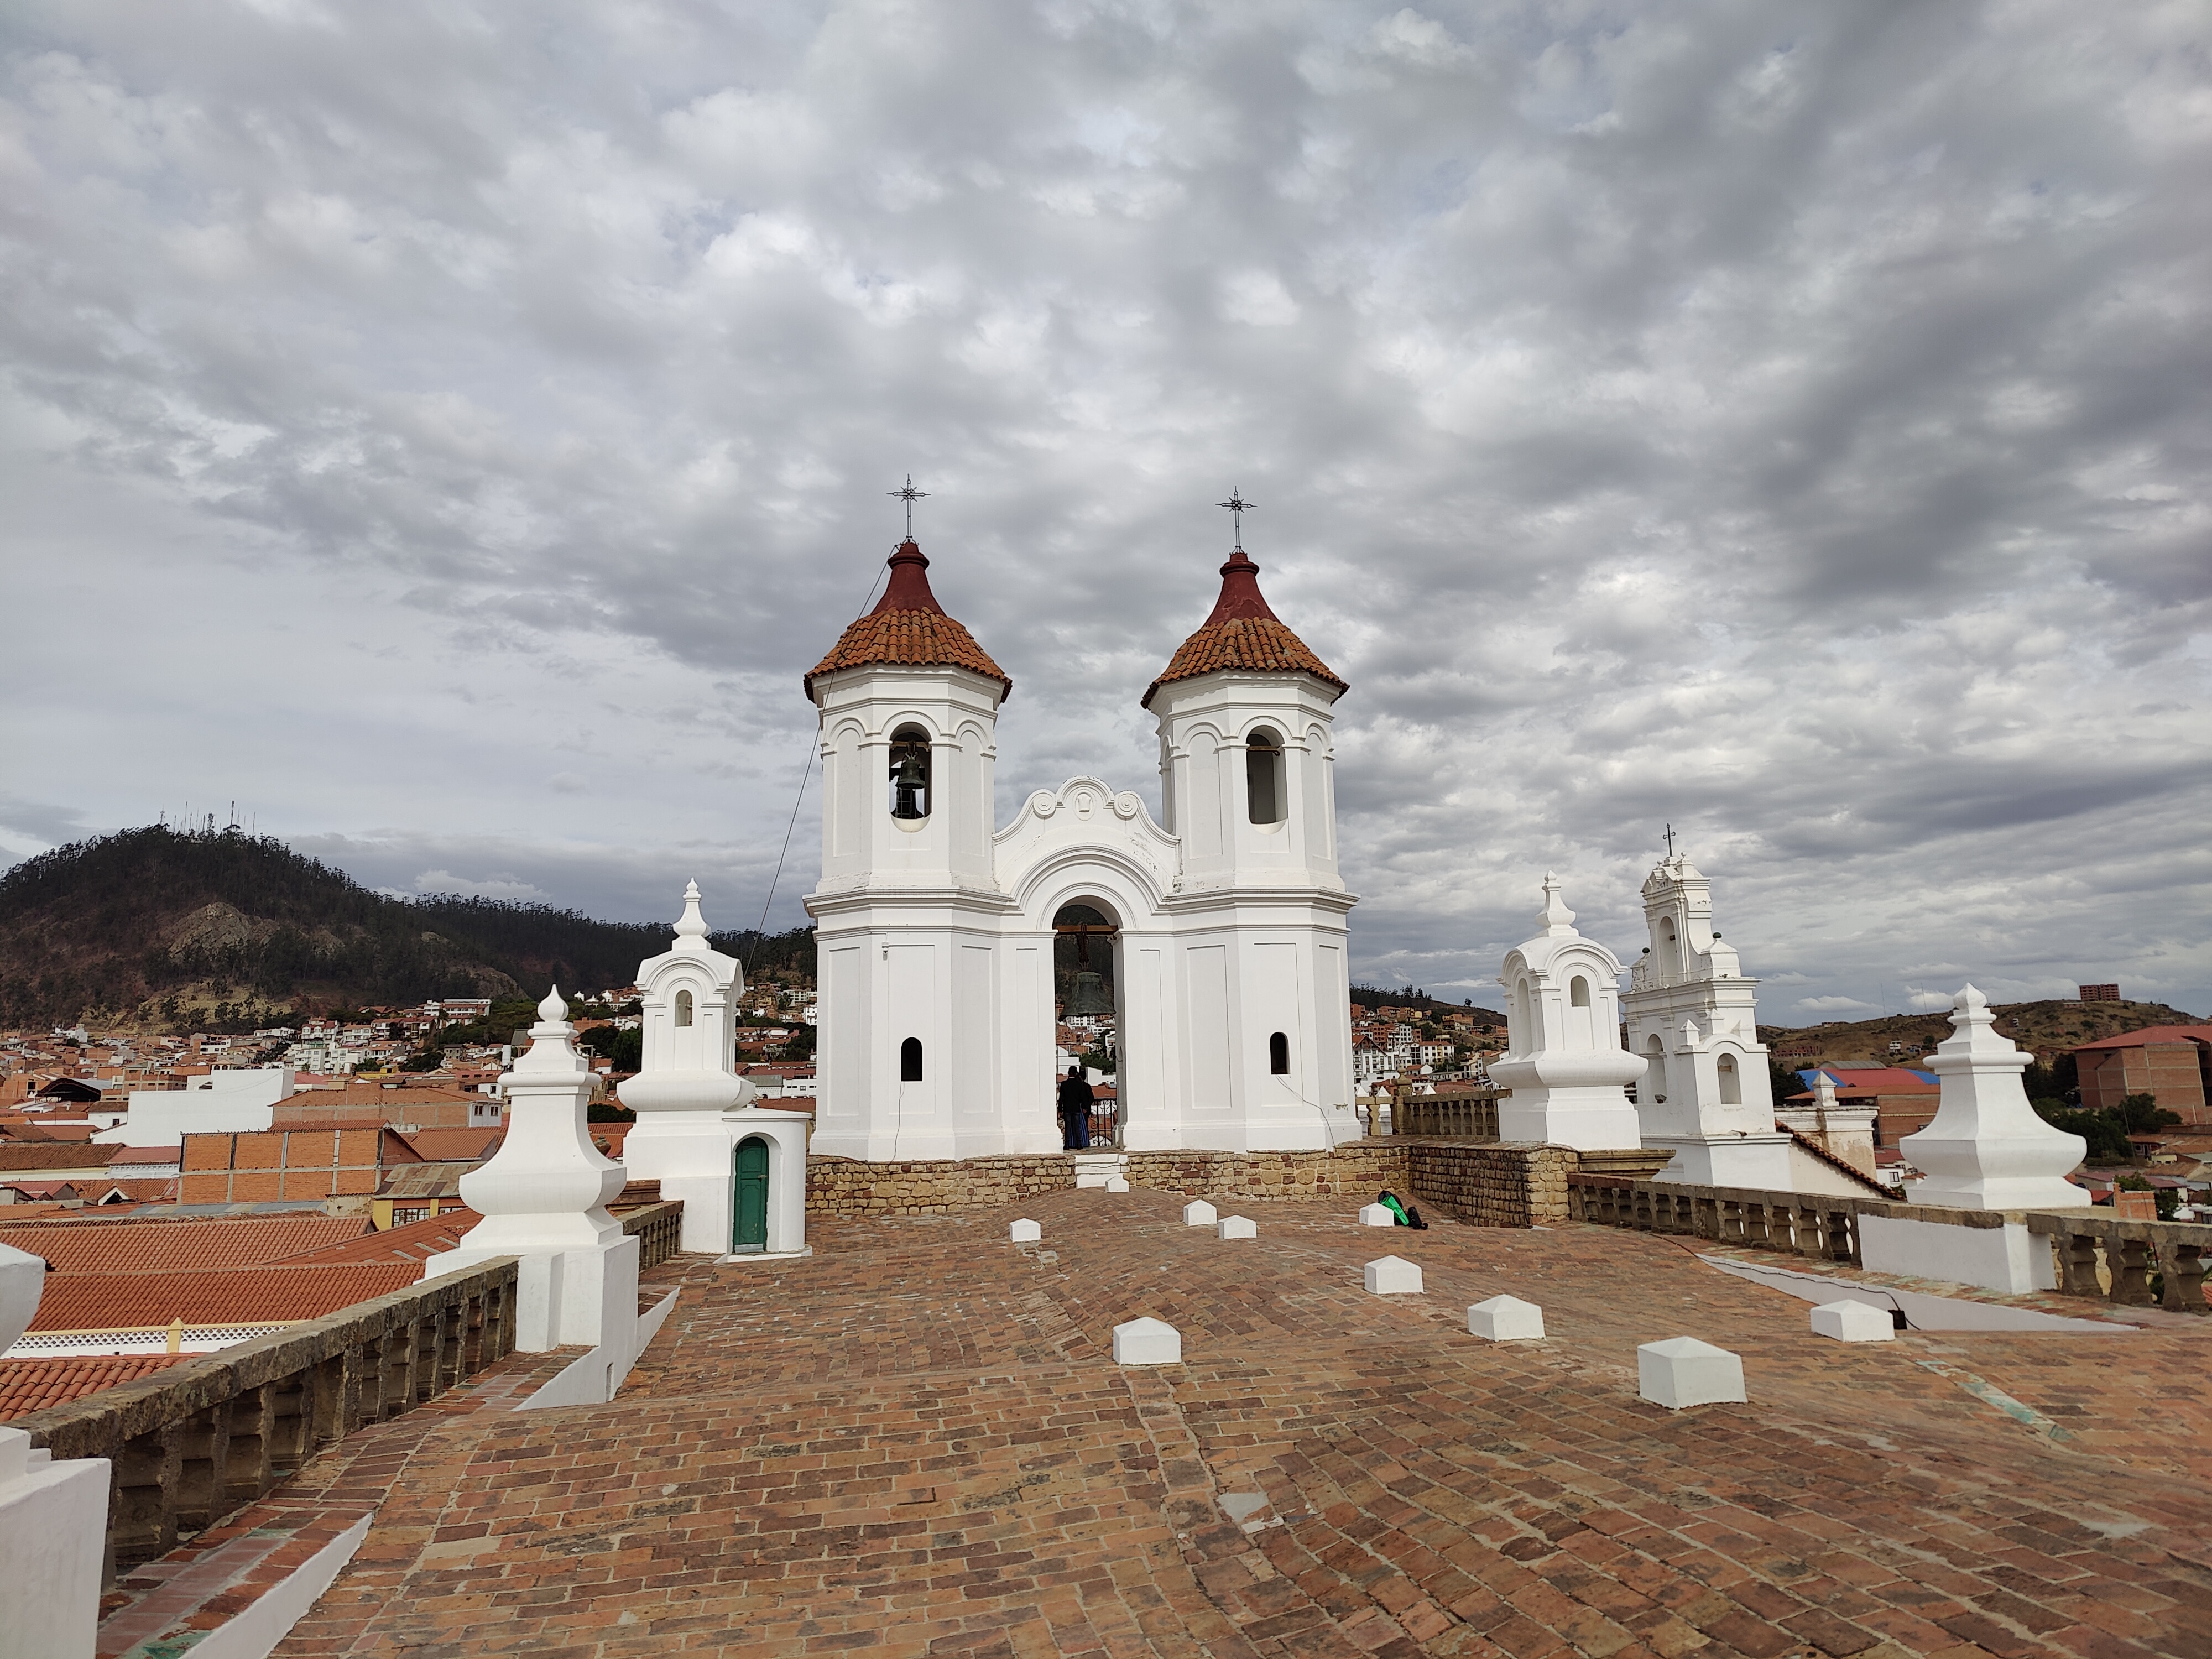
x: 1495, y: 1184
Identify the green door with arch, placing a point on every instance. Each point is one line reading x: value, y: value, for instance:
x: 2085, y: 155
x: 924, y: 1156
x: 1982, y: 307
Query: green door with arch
x: 749, y: 1214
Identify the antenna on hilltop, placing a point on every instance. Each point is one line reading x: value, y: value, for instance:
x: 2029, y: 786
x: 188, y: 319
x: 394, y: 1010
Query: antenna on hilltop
x: 910, y: 495
x: 1238, y: 506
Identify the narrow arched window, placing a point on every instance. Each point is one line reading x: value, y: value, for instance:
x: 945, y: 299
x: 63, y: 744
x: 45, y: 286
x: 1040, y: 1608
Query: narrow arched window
x: 910, y: 773
x: 683, y: 1007
x: 1670, y: 955
x: 1578, y: 993
x: 910, y: 1061
x: 1278, y: 1055
x: 1731, y: 1084
x: 1263, y: 777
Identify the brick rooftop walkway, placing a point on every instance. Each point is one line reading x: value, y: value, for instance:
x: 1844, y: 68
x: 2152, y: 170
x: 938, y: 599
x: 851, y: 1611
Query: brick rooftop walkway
x: 914, y: 1444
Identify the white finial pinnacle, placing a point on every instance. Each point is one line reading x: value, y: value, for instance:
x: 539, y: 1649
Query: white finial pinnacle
x: 554, y: 1011
x: 1824, y: 1089
x: 1554, y: 917
x: 693, y: 926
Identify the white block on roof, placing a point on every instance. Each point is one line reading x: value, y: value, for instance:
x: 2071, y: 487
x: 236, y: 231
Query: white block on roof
x: 1116, y: 1184
x: 1024, y: 1231
x: 1506, y: 1319
x: 1393, y: 1275
x: 1200, y: 1213
x: 1682, y: 1372
x: 1854, y: 1322
x: 1147, y: 1342
x: 1235, y: 1226
x: 1376, y: 1215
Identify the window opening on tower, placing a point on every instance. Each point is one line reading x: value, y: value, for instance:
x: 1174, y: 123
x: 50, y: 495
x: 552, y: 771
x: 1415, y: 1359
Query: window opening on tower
x: 910, y: 772
x: 1263, y: 777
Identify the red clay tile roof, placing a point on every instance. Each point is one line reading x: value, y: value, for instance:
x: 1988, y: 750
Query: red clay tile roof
x: 455, y: 1145
x: 28, y: 1157
x: 32, y: 1385
x: 2150, y: 1034
x: 408, y: 1243
x: 237, y: 1296
x: 100, y: 1245
x: 909, y: 626
x: 1243, y: 633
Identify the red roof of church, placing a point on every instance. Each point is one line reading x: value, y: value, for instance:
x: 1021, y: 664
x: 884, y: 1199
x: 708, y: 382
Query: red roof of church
x: 909, y: 628
x: 1243, y: 633
x: 2149, y: 1033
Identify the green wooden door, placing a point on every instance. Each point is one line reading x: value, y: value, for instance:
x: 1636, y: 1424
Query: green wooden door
x: 749, y: 1216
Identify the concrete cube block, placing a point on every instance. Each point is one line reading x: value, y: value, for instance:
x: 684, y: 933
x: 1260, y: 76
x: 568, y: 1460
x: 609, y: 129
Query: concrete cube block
x: 1376, y: 1215
x: 1506, y: 1319
x: 1147, y: 1342
x: 1393, y: 1275
x: 1117, y: 1185
x: 1198, y: 1213
x: 1683, y: 1371
x: 1024, y: 1232
x: 1853, y: 1322
x: 1235, y: 1226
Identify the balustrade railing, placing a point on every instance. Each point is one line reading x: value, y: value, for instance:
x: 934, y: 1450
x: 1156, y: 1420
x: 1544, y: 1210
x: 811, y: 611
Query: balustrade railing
x: 2112, y: 1260
x: 2098, y: 1255
x: 1457, y: 1111
x: 659, y: 1230
x: 193, y: 1443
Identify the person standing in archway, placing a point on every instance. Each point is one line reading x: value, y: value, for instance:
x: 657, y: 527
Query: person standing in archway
x: 1074, y: 1111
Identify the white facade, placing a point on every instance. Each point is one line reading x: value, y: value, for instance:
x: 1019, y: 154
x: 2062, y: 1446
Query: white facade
x: 1563, y: 1061
x: 935, y: 934
x: 1692, y: 1018
x: 236, y: 1101
x: 696, y: 1115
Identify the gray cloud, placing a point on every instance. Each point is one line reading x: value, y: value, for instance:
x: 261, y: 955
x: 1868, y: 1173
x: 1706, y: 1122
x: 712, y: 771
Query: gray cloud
x: 1783, y: 420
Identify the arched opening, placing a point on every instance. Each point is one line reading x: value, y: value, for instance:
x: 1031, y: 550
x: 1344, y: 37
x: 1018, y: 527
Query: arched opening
x: 1652, y: 1086
x: 1670, y: 951
x: 1086, y: 992
x: 682, y: 1009
x: 1518, y: 1032
x: 909, y: 773
x: 1731, y: 1082
x: 748, y: 1197
x: 1263, y: 778
x: 1578, y: 993
x: 1278, y: 1055
x: 910, y: 1061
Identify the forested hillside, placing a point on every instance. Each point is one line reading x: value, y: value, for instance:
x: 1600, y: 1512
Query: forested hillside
x: 161, y: 927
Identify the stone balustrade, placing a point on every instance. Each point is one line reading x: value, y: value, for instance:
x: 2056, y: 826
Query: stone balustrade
x: 1801, y: 1224
x: 1457, y: 1111
x: 191, y: 1444
x: 659, y: 1230
x: 2098, y: 1254
x: 2101, y: 1256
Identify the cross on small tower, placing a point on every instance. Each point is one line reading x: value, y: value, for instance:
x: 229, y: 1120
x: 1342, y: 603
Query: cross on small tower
x: 910, y: 495
x: 1238, y: 506
x: 1670, y: 840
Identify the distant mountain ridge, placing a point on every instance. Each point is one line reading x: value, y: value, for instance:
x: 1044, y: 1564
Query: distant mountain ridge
x: 159, y: 927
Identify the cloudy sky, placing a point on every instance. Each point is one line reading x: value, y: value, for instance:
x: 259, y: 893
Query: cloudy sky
x: 450, y: 431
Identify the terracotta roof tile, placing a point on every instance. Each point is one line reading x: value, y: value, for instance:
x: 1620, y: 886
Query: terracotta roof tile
x: 236, y: 1295
x: 2148, y: 1034
x: 100, y: 1246
x: 411, y: 1242
x: 32, y: 1385
x: 909, y: 627
x: 1243, y: 633
x: 28, y: 1157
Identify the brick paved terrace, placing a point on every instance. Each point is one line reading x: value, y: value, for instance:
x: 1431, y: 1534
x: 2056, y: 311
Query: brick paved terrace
x: 914, y: 1443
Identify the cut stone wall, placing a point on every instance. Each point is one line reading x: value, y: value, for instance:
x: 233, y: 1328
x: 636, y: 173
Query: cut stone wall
x: 1492, y: 1183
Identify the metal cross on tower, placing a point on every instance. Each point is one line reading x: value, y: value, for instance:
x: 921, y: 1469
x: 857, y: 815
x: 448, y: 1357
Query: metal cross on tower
x: 1670, y: 840
x: 910, y: 495
x: 1238, y: 506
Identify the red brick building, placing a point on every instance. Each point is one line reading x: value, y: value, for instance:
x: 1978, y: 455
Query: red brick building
x: 2172, y: 1063
x: 345, y: 1160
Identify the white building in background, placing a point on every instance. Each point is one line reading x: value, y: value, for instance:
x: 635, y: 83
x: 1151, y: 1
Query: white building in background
x: 740, y: 1169
x: 935, y: 932
x: 1694, y: 1018
x: 239, y: 1100
x: 1563, y: 1061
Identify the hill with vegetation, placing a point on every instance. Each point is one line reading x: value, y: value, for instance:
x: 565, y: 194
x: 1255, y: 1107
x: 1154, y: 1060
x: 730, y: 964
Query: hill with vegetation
x: 165, y: 929
x: 2047, y: 1029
